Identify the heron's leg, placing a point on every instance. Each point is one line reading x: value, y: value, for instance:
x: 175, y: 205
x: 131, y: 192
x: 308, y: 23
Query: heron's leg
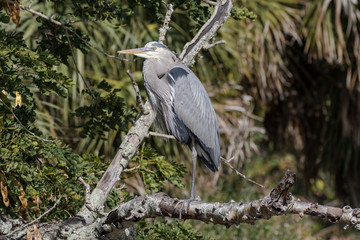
x: 194, y: 158
x: 192, y: 195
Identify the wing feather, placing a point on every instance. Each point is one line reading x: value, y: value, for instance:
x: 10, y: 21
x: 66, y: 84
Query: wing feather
x: 193, y: 107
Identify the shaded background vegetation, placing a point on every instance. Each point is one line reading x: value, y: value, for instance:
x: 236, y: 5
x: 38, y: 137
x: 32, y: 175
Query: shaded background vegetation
x: 285, y: 88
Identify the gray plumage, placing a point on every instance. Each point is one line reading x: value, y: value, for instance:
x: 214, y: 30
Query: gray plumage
x: 180, y: 102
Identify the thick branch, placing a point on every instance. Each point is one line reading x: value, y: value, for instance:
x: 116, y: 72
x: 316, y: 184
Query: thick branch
x: 126, y: 152
x: 278, y: 202
x: 218, y: 18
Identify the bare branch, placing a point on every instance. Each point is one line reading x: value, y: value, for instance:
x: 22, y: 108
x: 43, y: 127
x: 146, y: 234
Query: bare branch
x: 130, y: 169
x: 80, y: 20
x: 227, y: 163
x: 126, y: 152
x: 41, y: 15
x: 210, y: 2
x: 96, y: 48
x: 139, y: 101
x: 208, y: 46
x: 76, y: 66
x: 208, y: 30
x: 22, y: 125
x: 278, y: 202
x: 165, y: 27
x: 88, y: 200
x: 37, y: 219
x: 155, y: 134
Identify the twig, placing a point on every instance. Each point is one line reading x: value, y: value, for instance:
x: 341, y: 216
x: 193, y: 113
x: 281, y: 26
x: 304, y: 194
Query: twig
x: 70, y: 30
x: 80, y: 20
x: 239, y: 173
x: 41, y: 15
x: 27, y: 130
x: 121, y: 188
x: 88, y: 200
x: 240, y: 109
x: 37, y: 219
x: 165, y: 27
x: 139, y: 101
x: 155, y: 134
x: 131, y: 169
x: 76, y: 66
x: 210, y: 2
x: 208, y: 46
x: 96, y: 48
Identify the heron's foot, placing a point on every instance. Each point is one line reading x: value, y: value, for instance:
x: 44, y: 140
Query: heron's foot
x: 182, y: 204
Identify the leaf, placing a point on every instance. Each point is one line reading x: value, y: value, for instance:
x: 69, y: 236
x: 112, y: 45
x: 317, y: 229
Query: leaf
x: 13, y: 9
x: 21, y: 196
x: 28, y: 235
x: 35, y: 200
x: 37, y: 235
x: 18, y: 101
x: 4, y: 192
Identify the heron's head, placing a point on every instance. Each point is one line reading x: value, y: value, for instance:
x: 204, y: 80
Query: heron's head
x: 150, y: 50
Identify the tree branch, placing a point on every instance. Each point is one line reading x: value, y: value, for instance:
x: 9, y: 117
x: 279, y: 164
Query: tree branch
x: 126, y: 152
x: 227, y: 163
x: 22, y: 125
x: 155, y: 134
x: 165, y: 27
x: 278, y: 202
x: 76, y: 66
x: 35, y: 220
x: 208, y: 46
x: 209, y: 2
x: 207, y: 31
x: 139, y: 101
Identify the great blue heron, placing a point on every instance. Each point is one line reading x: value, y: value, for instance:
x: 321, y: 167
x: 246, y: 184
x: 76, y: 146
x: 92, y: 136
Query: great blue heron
x: 181, y: 103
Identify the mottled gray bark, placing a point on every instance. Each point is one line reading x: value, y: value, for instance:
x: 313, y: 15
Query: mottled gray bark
x: 279, y: 202
x: 207, y: 32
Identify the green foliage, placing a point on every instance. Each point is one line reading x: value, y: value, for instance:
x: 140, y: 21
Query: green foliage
x: 4, y: 18
x: 155, y: 169
x: 105, y: 113
x: 198, y: 12
x: 240, y: 13
x: 100, y: 10
x: 177, y: 230
x: 19, y: 64
x: 45, y: 170
x: 36, y: 171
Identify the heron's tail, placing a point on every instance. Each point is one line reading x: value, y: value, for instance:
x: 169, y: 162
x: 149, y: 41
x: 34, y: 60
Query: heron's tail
x: 209, y: 156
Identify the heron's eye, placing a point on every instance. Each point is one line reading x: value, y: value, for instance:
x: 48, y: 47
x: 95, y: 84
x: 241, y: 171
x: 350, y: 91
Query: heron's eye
x: 154, y: 48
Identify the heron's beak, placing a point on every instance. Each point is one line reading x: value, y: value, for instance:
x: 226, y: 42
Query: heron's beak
x: 133, y: 51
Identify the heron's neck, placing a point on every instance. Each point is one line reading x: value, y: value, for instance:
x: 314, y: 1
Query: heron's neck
x: 157, y: 68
